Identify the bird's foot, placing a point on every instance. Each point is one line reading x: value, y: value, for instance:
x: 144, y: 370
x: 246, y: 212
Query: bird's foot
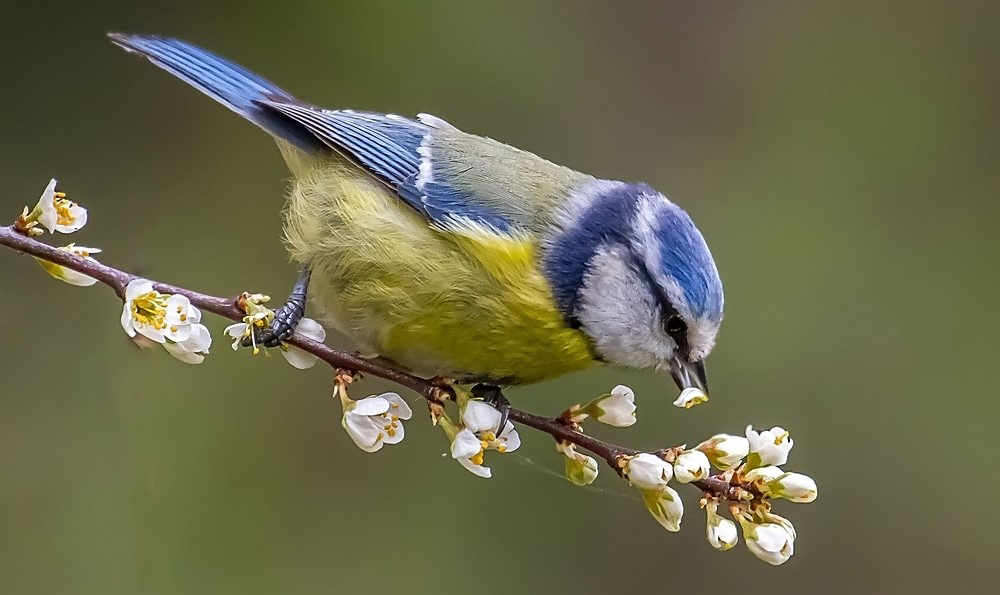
x: 286, y: 318
x: 495, y: 397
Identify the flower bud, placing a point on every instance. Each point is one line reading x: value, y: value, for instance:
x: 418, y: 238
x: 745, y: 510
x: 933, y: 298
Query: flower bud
x: 616, y: 409
x: 580, y: 469
x: 690, y: 397
x: 725, y: 451
x: 770, y: 447
x: 666, y: 507
x: 648, y: 472
x: 793, y: 486
x: 765, y: 474
x: 771, y: 542
x: 691, y: 465
x: 720, y: 531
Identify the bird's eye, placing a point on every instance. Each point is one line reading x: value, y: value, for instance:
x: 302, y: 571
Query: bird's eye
x: 675, y: 326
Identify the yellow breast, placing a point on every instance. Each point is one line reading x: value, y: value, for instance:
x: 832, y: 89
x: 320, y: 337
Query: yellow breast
x: 470, y: 304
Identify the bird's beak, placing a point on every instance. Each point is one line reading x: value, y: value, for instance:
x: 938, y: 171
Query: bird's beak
x: 689, y: 374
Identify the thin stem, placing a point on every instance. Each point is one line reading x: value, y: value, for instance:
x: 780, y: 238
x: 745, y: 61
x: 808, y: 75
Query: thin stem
x: 117, y: 280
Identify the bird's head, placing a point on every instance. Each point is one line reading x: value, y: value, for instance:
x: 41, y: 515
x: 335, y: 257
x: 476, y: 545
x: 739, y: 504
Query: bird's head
x: 645, y: 288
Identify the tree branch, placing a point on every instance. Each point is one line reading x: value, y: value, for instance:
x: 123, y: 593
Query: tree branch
x: 719, y: 486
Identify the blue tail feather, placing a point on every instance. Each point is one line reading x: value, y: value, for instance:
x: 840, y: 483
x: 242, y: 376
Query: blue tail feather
x: 230, y: 84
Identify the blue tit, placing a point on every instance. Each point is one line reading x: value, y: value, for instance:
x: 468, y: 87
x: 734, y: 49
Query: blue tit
x: 458, y: 256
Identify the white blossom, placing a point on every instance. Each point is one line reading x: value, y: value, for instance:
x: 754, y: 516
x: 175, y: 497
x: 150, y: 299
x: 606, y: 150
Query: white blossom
x: 299, y: 358
x: 769, y: 447
x: 481, y: 432
x: 690, y: 397
x: 647, y: 471
x: 691, y: 465
x: 258, y: 318
x: 376, y: 420
x: 771, y: 542
x: 156, y: 316
x: 246, y: 329
x: 725, y: 451
x: 793, y: 486
x: 580, y: 469
x: 720, y: 531
x: 57, y: 213
x: 616, y: 409
x: 69, y: 275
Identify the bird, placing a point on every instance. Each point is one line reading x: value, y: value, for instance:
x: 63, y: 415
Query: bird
x: 456, y: 256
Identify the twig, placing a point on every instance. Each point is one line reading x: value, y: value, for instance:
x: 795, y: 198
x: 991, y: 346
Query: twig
x: 717, y: 485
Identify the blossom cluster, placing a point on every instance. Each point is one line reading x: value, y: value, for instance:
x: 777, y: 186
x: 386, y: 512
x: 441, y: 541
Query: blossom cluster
x: 749, y: 479
x: 149, y: 317
x: 750, y: 466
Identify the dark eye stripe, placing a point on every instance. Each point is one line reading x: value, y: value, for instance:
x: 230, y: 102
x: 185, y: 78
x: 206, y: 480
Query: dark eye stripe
x: 667, y: 310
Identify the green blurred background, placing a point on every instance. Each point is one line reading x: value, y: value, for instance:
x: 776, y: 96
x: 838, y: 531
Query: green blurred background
x: 840, y: 157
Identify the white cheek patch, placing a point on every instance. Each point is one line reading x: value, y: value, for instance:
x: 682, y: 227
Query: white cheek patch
x: 620, y: 314
x: 701, y: 338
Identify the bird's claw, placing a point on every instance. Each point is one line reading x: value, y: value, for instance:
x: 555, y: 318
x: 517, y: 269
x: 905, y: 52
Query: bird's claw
x: 495, y: 397
x: 281, y: 329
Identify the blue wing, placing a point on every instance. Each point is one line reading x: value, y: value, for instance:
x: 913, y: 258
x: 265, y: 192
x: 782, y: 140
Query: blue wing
x: 397, y: 151
x: 452, y: 178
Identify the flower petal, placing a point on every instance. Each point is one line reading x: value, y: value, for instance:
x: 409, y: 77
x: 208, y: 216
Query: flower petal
x: 188, y: 357
x: 479, y: 470
x: 47, y: 205
x: 126, y: 320
x: 480, y: 417
x: 299, y: 358
x: 510, y: 438
x: 311, y: 329
x: 397, y: 405
x: 371, y: 406
x: 465, y: 445
x: 66, y: 275
x: 137, y: 287
x: 150, y: 333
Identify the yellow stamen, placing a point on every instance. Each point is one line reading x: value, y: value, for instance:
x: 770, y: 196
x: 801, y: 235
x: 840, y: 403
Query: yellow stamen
x: 148, y: 310
x: 778, y: 440
x: 477, y: 458
x: 63, y: 214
